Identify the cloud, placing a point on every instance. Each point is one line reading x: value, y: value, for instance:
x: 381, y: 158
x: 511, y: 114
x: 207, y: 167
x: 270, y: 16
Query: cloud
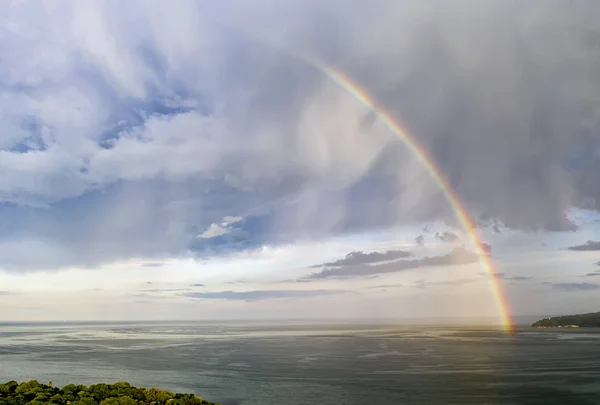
x: 504, y: 276
x: 457, y: 256
x: 260, y: 295
x: 420, y: 240
x: 447, y: 236
x: 213, y: 231
x: 575, y: 286
x: 153, y: 265
x: 150, y: 297
x: 592, y: 274
x: 383, y: 286
x: 161, y: 290
x: 590, y: 245
x: 197, y: 285
x: 140, y: 130
x: 518, y: 278
x: 425, y: 284
x: 357, y: 258
x: 4, y: 293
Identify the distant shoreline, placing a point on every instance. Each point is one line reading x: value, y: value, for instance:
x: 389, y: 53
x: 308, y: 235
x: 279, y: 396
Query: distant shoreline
x: 588, y: 320
x: 523, y: 320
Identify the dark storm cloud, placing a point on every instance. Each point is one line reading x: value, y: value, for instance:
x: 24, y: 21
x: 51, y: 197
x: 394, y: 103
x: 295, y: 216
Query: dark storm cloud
x: 458, y: 256
x: 357, y: 258
x: 504, y: 95
x: 260, y: 295
x: 575, y: 286
x: 590, y: 245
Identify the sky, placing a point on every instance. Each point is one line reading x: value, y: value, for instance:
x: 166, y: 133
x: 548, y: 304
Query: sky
x: 189, y: 161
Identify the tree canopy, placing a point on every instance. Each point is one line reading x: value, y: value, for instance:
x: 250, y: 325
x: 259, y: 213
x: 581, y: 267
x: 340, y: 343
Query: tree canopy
x: 583, y: 320
x: 120, y: 393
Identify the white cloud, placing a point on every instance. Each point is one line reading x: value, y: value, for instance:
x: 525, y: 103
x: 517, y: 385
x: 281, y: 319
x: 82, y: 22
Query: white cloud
x: 131, y: 130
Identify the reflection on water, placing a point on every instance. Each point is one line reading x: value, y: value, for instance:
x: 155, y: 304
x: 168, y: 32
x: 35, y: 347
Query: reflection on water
x: 299, y: 364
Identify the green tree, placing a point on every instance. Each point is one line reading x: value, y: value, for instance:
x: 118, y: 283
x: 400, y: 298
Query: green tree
x: 120, y: 393
x: 8, y: 387
x: 157, y: 395
x: 85, y: 401
x: 118, y: 401
x: 71, y: 389
x: 100, y: 391
x: 28, y: 388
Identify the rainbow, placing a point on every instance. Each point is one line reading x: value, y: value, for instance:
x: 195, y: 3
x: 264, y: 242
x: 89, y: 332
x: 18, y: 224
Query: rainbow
x: 352, y: 87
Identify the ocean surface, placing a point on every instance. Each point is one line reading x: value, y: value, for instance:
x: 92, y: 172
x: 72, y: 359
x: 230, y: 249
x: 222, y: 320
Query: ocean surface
x: 292, y: 364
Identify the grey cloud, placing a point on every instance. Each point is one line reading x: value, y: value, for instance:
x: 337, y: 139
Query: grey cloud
x: 161, y: 290
x: 447, y: 236
x: 383, y: 286
x: 4, y: 293
x: 518, y: 278
x: 575, y: 286
x: 504, y: 276
x: 134, y: 155
x: 457, y: 256
x: 592, y: 274
x: 590, y: 245
x: 197, y: 285
x: 153, y: 265
x: 259, y: 295
x: 491, y: 85
x: 357, y: 258
x: 420, y: 240
x: 424, y: 284
x: 150, y: 296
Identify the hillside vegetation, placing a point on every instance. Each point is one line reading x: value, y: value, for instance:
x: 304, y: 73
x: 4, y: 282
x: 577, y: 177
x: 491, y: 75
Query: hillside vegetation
x: 120, y: 393
x: 591, y: 319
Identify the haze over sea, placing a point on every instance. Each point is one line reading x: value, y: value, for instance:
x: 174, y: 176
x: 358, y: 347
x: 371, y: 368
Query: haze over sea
x: 298, y: 363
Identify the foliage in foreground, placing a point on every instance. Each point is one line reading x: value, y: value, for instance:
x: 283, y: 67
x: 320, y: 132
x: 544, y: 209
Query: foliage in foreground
x: 584, y: 320
x: 120, y: 393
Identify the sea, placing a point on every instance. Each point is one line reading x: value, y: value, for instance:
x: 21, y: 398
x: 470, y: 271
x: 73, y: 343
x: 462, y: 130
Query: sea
x: 252, y: 363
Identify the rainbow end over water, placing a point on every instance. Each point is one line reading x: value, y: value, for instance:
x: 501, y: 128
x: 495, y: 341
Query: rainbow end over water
x: 429, y: 163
